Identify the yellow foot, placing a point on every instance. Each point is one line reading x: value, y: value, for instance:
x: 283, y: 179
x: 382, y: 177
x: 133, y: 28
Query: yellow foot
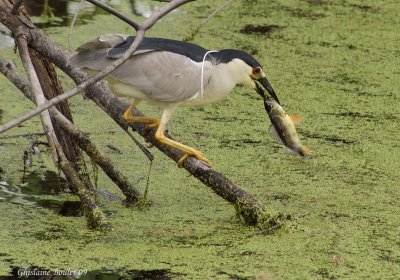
x: 154, y: 123
x: 129, y: 117
x: 189, y: 151
x: 196, y: 154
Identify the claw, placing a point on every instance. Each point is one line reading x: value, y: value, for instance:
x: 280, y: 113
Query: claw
x: 197, y: 154
x: 153, y: 124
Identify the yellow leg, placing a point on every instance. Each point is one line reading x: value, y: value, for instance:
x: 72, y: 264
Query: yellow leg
x: 153, y: 122
x: 189, y: 151
x: 129, y: 117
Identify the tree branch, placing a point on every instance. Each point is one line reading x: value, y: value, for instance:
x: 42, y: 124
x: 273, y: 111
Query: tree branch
x: 22, y: 44
x: 105, y: 163
x: 44, y: 106
x: 138, y: 39
x: 16, y: 6
x: 132, y: 195
x: 95, y: 217
x: 247, y: 207
x: 114, y: 12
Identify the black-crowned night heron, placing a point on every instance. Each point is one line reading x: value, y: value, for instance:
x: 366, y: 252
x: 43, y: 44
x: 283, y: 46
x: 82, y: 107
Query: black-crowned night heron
x: 168, y: 74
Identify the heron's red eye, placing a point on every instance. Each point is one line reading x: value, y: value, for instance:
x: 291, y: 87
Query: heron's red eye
x: 256, y: 70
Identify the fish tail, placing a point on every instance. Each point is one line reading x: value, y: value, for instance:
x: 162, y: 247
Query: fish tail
x: 296, y: 118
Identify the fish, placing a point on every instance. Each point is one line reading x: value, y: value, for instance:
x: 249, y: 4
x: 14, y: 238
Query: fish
x: 283, y: 130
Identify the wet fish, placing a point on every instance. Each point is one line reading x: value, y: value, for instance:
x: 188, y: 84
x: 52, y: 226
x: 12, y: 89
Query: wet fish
x: 283, y: 130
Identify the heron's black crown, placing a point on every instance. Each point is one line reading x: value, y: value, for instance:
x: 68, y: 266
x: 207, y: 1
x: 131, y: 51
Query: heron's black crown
x: 193, y: 51
x: 227, y: 55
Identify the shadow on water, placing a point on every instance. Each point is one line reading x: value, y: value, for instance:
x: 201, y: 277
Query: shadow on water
x: 329, y: 138
x: 265, y: 30
x: 42, y: 274
x: 36, y: 185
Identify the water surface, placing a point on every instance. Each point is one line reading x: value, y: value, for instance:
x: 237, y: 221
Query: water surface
x: 335, y: 63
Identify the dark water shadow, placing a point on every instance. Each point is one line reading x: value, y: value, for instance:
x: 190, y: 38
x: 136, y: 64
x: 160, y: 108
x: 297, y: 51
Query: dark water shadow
x: 265, y: 30
x: 43, y: 183
x: 329, y: 138
x: 303, y: 12
x: 82, y: 274
x: 37, y: 184
x: 365, y: 116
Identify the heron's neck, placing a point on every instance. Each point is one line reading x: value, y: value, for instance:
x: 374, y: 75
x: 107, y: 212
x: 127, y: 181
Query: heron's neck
x: 236, y: 70
x: 224, y: 77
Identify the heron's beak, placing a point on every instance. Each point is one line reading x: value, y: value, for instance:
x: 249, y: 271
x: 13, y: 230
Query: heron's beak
x: 264, y: 82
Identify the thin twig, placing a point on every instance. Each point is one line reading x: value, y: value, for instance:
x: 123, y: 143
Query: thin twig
x: 95, y: 217
x: 40, y: 108
x: 92, y: 80
x: 148, y: 154
x: 73, y: 23
x: 132, y: 195
x: 216, y: 11
x: 116, y: 13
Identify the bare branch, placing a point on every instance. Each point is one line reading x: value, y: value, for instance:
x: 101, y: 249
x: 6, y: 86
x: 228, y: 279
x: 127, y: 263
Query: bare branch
x: 40, y: 108
x: 131, y: 194
x: 93, y: 214
x: 162, y: 12
x: 247, y: 207
x: 116, y: 13
x: 138, y: 39
x: 83, y: 141
x: 22, y: 44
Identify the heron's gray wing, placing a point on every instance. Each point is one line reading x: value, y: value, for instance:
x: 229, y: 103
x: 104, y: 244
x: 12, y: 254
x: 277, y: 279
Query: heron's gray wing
x: 94, y: 53
x: 164, y: 76
x: 103, y: 42
x: 161, y: 75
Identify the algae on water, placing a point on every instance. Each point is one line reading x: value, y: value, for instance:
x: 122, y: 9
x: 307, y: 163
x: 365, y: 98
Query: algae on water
x: 335, y: 63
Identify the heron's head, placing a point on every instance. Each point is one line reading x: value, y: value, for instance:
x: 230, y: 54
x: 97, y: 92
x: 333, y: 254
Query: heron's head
x: 251, y: 70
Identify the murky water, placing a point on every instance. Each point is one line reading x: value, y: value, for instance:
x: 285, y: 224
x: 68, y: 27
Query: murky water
x: 335, y: 63
x: 37, y: 190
